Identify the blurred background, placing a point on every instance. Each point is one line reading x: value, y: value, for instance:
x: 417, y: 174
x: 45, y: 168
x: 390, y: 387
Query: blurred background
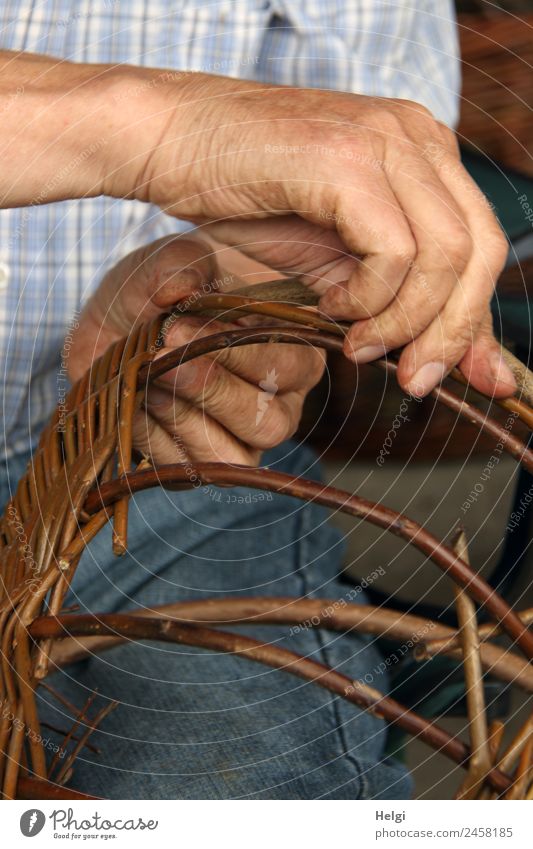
x: 433, y: 466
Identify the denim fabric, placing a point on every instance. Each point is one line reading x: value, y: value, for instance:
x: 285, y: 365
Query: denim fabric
x: 193, y: 724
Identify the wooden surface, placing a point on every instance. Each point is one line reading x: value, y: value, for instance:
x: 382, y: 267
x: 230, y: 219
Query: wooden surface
x: 497, y: 90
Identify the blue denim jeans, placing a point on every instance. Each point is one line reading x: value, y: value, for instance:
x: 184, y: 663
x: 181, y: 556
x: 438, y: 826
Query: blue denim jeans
x: 194, y: 724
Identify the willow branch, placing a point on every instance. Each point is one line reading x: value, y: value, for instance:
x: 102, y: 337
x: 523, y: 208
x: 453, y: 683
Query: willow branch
x: 133, y: 628
x: 29, y: 787
x: 376, y: 514
x: 325, y: 613
x: 485, y: 632
x: 480, y: 762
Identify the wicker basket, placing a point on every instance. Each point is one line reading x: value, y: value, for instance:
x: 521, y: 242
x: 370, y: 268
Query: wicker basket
x: 86, y: 452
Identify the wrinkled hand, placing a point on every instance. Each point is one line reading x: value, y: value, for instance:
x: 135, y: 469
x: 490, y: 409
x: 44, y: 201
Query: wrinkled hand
x: 388, y: 224
x: 227, y: 406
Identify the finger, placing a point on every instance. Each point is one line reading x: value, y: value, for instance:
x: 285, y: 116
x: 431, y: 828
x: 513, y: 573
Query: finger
x: 373, y: 226
x: 455, y: 329
x: 171, y: 431
x: 291, y: 245
x: 484, y: 366
x: 297, y: 367
x: 366, y: 255
x: 443, y: 251
x: 259, y: 415
x: 177, y: 268
x: 150, y: 279
x: 425, y: 362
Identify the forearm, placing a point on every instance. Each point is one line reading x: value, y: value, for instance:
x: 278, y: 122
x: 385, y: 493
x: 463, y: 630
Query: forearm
x: 71, y: 130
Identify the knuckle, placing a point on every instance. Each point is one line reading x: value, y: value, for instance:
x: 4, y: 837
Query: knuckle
x: 278, y: 425
x: 176, y: 246
x: 388, y: 120
x: 212, y: 390
x: 449, y: 139
x: 174, y: 416
x: 497, y: 248
x: 455, y: 247
x: 155, y: 256
x: 399, y: 328
x: 174, y: 254
x: 180, y: 416
x: 461, y: 337
x: 414, y: 106
x: 270, y: 435
x: 403, y: 251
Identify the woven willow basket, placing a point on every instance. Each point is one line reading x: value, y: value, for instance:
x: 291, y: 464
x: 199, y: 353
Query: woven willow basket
x: 82, y: 476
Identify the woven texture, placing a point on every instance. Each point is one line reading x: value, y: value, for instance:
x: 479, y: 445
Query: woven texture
x: 82, y: 476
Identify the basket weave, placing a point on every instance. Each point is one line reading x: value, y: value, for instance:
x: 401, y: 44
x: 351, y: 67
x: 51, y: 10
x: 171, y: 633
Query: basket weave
x: 81, y: 477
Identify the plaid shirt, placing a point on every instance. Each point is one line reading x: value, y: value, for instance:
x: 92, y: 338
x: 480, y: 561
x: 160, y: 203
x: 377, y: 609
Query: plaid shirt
x: 53, y: 256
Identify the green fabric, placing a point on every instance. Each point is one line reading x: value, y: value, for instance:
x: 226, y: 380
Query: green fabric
x: 503, y: 188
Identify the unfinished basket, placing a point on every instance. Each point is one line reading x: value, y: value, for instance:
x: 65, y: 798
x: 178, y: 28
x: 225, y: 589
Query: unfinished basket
x: 82, y: 476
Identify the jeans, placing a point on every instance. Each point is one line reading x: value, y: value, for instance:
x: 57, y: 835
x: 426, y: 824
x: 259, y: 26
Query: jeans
x: 196, y: 724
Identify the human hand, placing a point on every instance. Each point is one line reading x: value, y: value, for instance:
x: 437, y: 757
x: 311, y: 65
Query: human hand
x: 370, y: 187
x: 389, y: 227
x: 227, y: 406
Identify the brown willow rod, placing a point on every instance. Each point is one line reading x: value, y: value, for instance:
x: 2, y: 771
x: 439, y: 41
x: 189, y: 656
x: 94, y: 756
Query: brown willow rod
x: 523, y: 773
x: 323, y: 613
x: 227, y: 303
x: 65, y: 769
x: 136, y: 628
x: 512, y: 404
x: 270, y: 298
x: 514, y: 446
x: 79, y: 717
x: 485, y: 632
x: 299, y: 335
x: 377, y: 514
x: 480, y: 761
x: 38, y: 788
x: 304, y: 336
x: 496, y: 732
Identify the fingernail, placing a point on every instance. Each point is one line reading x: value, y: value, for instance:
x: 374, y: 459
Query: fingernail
x: 426, y: 379
x: 368, y: 353
x: 501, y: 372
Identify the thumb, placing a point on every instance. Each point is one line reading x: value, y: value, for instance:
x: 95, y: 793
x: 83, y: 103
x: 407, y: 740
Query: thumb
x: 150, y: 280
x: 176, y: 267
x: 484, y: 367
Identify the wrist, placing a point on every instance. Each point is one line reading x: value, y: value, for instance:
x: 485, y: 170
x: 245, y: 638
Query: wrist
x: 142, y: 103
x: 177, y: 137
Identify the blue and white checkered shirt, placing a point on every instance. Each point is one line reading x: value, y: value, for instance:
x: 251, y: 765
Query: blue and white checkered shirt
x: 52, y: 257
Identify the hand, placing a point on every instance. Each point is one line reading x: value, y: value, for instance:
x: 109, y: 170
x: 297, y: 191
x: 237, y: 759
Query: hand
x: 370, y: 186
x: 389, y: 225
x: 227, y: 406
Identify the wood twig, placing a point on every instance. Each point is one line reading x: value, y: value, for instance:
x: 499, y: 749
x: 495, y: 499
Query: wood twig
x: 166, y: 630
x: 479, y: 764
